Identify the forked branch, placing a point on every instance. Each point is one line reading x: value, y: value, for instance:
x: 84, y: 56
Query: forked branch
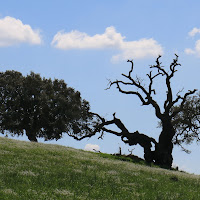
x: 184, y: 98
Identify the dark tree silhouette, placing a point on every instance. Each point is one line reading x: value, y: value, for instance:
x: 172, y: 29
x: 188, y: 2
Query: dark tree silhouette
x: 40, y: 107
x: 169, y: 116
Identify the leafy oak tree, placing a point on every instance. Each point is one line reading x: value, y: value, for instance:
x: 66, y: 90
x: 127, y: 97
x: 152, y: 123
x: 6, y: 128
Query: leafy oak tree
x: 176, y: 117
x: 187, y: 122
x: 40, y: 107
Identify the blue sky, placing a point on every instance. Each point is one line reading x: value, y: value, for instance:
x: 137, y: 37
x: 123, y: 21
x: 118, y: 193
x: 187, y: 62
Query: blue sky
x: 87, y: 42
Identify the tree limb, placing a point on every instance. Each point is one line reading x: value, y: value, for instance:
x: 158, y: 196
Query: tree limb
x: 147, y: 100
x: 190, y: 92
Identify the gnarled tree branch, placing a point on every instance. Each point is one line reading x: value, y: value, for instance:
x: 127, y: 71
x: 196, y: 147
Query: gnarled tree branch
x: 184, y: 98
x: 146, y: 95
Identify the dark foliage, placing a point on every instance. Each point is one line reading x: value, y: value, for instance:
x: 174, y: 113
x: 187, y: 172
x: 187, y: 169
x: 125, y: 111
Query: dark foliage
x: 40, y: 107
x: 187, y: 122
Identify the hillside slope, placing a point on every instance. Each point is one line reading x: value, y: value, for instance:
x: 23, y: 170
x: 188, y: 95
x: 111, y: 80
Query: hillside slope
x: 42, y: 171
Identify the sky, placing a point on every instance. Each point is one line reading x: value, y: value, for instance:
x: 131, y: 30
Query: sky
x: 87, y: 43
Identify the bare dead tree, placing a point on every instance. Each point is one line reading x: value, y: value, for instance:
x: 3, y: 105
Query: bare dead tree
x: 131, y: 151
x: 162, y: 155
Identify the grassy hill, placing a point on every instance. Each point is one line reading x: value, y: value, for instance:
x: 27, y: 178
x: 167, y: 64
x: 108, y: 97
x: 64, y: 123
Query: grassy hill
x: 42, y: 171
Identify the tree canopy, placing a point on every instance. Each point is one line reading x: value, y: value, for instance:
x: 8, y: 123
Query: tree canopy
x: 187, y: 122
x: 40, y: 107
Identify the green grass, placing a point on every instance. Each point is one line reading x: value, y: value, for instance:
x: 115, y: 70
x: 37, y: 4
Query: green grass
x: 42, y: 171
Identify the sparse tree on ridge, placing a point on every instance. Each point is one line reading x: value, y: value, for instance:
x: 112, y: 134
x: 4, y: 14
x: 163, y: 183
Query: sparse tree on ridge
x: 172, y: 115
x: 40, y: 107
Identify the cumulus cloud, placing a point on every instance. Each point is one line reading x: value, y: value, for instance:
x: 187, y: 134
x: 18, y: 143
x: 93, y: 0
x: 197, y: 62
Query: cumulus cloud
x: 194, y: 31
x: 138, y: 49
x: 110, y: 39
x: 92, y: 147
x: 13, y: 31
x: 189, y: 51
x: 195, y: 51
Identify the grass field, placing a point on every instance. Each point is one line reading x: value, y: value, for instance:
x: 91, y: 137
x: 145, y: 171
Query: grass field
x: 42, y: 171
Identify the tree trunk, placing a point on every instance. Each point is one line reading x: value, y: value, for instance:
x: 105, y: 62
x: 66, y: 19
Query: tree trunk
x: 148, y: 155
x: 145, y: 142
x: 163, y: 150
x: 31, y: 136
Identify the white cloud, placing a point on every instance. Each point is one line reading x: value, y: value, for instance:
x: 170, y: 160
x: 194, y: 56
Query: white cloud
x: 13, y: 31
x: 92, y: 147
x: 189, y: 51
x: 195, y: 51
x: 139, y: 49
x: 109, y: 39
x: 79, y: 40
x: 193, y: 32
